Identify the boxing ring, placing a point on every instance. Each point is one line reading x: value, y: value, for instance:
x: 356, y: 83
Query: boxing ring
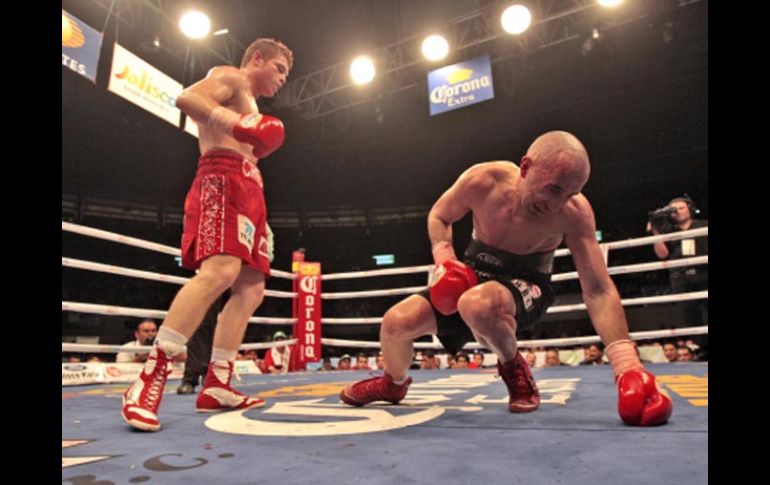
x: 453, y: 427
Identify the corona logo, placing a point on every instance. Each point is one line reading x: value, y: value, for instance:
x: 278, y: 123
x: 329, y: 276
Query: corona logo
x: 446, y: 93
x: 459, y: 75
x: 309, y: 284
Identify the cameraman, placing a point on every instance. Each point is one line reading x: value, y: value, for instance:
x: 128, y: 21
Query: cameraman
x: 684, y: 279
x: 679, y: 210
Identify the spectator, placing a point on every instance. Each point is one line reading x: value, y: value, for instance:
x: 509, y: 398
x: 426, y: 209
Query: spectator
x: 144, y: 335
x: 669, y: 350
x: 552, y: 358
x: 478, y: 361
x: 327, y: 364
x: 531, y: 357
x: 684, y: 354
x: 344, y: 363
x: 461, y: 361
x: 362, y: 362
x: 594, y: 355
x: 429, y: 361
x: 278, y: 359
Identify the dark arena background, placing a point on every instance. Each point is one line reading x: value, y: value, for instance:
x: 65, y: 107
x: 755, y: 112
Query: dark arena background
x: 359, y: 171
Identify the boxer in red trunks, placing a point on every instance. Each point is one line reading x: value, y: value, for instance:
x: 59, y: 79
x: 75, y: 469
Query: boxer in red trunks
x: 225, y: 235
x: 521, y: 214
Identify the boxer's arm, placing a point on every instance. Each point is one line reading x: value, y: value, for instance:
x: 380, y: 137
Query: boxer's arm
x: 215, y: 90
x: 599, y: 292
x: 452, y: 206
x: 640, y: 401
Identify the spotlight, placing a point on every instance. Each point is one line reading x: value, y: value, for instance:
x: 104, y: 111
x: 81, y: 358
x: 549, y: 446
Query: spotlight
x: 195, y: 25
x: 516, y: 19
x: 362, y: 70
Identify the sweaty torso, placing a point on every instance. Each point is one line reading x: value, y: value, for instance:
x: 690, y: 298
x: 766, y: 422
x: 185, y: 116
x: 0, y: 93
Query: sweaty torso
x: 211, y: 138
x: 500, y: 221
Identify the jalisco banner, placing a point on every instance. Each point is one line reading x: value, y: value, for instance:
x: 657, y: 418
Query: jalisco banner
x: 137, y: 81
x: 459, y: 85
x: 80, y: 46
x: 307, y: 328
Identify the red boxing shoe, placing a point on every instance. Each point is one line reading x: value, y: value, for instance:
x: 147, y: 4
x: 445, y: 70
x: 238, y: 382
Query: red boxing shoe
x: 375, y: 389
x: 523, y: 392
x: 217, y: 395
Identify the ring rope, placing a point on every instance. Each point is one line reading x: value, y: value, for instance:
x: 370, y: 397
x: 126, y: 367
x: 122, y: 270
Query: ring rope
x: 115, y: 349
x: 647, y: 240
x: 557, y: 342
x: 146, y: 313
x: 71, y: 306
x: 141, y: 243
x: 149, y: 275
x: 111, y: 236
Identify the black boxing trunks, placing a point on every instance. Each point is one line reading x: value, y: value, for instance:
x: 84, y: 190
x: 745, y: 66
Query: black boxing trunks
x: 526, y: 276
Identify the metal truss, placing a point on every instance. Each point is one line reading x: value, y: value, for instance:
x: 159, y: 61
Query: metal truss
x: 401, y: 67
x: 197, y: 56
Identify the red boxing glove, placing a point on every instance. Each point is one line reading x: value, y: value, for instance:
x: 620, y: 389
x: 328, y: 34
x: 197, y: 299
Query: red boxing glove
x: 266, y: 136
x: 640, y: 401
x: 450, y: 280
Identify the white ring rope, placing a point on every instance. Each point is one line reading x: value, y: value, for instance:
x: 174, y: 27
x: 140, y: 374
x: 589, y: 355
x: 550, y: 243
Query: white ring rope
x: 71, y: 306
x: 557, y: 342
x: 625, y: 269
x: 149, y: 313
x: 119, y: 238
x: 377, y: 272
x: 146, y: 313
x: 140, y: 243
x: 647, y: 240
x: 695, y: 295
x: 363, y: 294
x: 643, y: 241
x: 115, y: 349
x: 119, y: 270
x: 640, y: 267
x: 148, y: 275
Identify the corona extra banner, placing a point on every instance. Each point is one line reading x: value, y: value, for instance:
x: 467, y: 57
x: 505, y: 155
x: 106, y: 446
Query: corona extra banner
x: 307, y: 327
x: 460, y: 85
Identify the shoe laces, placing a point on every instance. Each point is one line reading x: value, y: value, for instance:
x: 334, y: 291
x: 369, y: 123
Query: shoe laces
x: 155, y: 389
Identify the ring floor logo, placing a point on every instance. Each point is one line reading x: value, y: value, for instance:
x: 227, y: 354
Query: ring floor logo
x: 319, y: 412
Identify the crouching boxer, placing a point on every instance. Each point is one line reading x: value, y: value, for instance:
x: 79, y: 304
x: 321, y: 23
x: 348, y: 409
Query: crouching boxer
x: 521, y: 214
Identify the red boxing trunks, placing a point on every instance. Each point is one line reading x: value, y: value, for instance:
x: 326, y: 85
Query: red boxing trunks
x: 224, y: 212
